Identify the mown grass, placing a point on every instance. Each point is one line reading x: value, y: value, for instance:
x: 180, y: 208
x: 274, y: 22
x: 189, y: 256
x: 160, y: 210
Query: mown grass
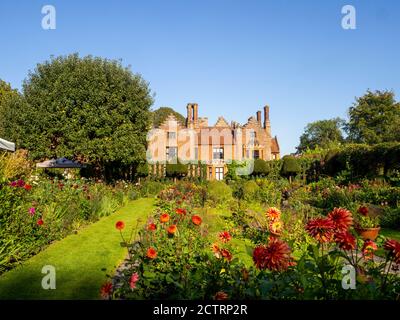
x: 82, y: 261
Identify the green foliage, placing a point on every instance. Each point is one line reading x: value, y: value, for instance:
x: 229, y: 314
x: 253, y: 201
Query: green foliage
x: 261, y: 167
x: 218, y: 193
x: 176, y: 170
x: 162, y: 113
x: 9, y: 99
x: 321, y: 134
x: 250, y: 190
x: 91, y: 109
x: 374, y: 118
x: 291, y: 166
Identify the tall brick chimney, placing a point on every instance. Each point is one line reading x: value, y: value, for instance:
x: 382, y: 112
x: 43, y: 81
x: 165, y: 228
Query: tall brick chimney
x: 266, y: 117
x: 192, y: 115
x: 259, y: 117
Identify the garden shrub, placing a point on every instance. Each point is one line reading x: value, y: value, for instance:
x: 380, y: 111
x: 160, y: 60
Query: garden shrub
x: 250, y: 191
x: 270, y: 192
x: 14, y: 165
x: 391, y: 218
x: 261, y: 168
x: 291, y: 166
x: 176, y: 170
x: 218, y: 193
x: 150, y: 188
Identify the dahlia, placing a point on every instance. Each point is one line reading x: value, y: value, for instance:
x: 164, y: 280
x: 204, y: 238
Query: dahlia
x: 321, y: 229
x: 273, y: 213
x: 164, y: 217
x: 368, y: 249
x: 132, y: 281
x: 196, y: 220
x: 180, y: 211
x: 151, y: 253
x: 172, y: 229
x: 345, y: 240
x: 275, y: 256
x: 226, y: 254
x: 151, y: 227
x: 393, y: 247
x: 341, y: 218
x: 120, y: 225
x: 225, y: 236
x: 106, y: 290
x: 275, y: 226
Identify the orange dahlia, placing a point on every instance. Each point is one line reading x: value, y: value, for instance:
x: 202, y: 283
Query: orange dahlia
x: 120, y: 225
x: 368, y: 249
x: 215, y: 247
x: 276, y: 256
x: 164, y: 217
x: 225, y: 236
x: 275, y: 226
x: 273, y: 213
x: 345, y: 240
x: 172, y: 229
x: 393, y: 248
x: 196, y: 220
x: 321, y: 229
x: 151, y: 253
x: 341, y: 218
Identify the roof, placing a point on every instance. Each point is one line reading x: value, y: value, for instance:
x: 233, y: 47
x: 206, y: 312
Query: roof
x: 6, y: 145
x: 274, y: 145
x: 59, y: 163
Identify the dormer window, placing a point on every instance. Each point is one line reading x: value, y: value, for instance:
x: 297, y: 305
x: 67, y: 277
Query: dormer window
x: 171, y: 135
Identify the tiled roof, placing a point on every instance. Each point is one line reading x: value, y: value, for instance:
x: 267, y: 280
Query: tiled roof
x: 274, y: 145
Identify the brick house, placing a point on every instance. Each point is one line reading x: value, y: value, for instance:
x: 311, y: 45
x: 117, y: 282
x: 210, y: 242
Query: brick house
x: 195, y: 140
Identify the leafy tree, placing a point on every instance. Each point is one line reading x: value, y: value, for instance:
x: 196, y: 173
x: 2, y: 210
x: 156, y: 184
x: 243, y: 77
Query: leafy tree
x: 374, y: 118
x: 321, y: 134
x: 176, y: 170
x: 8, y: 97
x: 291, y: 166
x: 162, y: 113
x: 90, y: 109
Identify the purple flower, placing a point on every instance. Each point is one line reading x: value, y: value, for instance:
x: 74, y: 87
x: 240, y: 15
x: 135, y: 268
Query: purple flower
x: 32, y: 211
x: 20, y: 183
x: 13, y: 184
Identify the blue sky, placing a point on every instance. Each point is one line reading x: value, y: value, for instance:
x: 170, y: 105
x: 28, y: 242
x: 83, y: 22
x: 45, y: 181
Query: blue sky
x: 231, y: 57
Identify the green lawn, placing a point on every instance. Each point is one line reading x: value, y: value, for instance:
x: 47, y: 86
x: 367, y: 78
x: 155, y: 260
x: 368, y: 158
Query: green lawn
x: 82, y: 260
x: 391, y: 234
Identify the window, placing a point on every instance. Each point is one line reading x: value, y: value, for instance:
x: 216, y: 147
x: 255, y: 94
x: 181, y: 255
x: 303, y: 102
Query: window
x: 171, y: 135
x: 210, y: 173
x: 196, y: 153
x: 247, y: 154
x: 219, y: 173
x: 252, y: 135
x: 218, y: 153
x: 171, y: 153
x: 256, y: 154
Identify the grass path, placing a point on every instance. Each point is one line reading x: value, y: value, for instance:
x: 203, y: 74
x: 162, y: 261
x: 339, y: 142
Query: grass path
x: 82, y: 260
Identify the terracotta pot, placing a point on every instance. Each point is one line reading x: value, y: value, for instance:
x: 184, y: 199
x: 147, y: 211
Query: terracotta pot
x: 368, y: 233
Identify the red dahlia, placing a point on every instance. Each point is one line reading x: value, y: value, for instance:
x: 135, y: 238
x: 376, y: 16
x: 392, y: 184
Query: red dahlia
x: 275, y: 256
x: 345, y: 240
x: 196, y: 220
x: 225, y: 236
x: 180, y: 211
x: 120, y: 225
x: 226, y: 254
x: 341, y: 218
x: 151, y: 227
x: 321, y: 229
x: 106, y: 290
x: 220, y: 295
x: 393, y: 247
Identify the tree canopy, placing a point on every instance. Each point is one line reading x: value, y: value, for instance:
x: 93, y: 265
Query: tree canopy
x: 374, y: 118
x: 89, y: 108
x: 162, y: 113
x: 8, y: 97
x: 323, y: 134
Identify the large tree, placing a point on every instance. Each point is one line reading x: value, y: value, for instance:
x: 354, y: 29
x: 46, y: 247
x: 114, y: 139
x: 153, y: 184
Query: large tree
x: 8, y: 97
x: 162, y: 113
x: 90, y: 109
x: 323, y: 134
x: 374, y: 118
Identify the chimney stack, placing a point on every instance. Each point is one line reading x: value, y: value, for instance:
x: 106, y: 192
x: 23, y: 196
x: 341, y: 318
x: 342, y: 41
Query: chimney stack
x: 259, y: 117
x: 266, y: 116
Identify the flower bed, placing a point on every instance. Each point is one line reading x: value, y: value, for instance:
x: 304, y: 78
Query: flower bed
x: 176, y: 257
